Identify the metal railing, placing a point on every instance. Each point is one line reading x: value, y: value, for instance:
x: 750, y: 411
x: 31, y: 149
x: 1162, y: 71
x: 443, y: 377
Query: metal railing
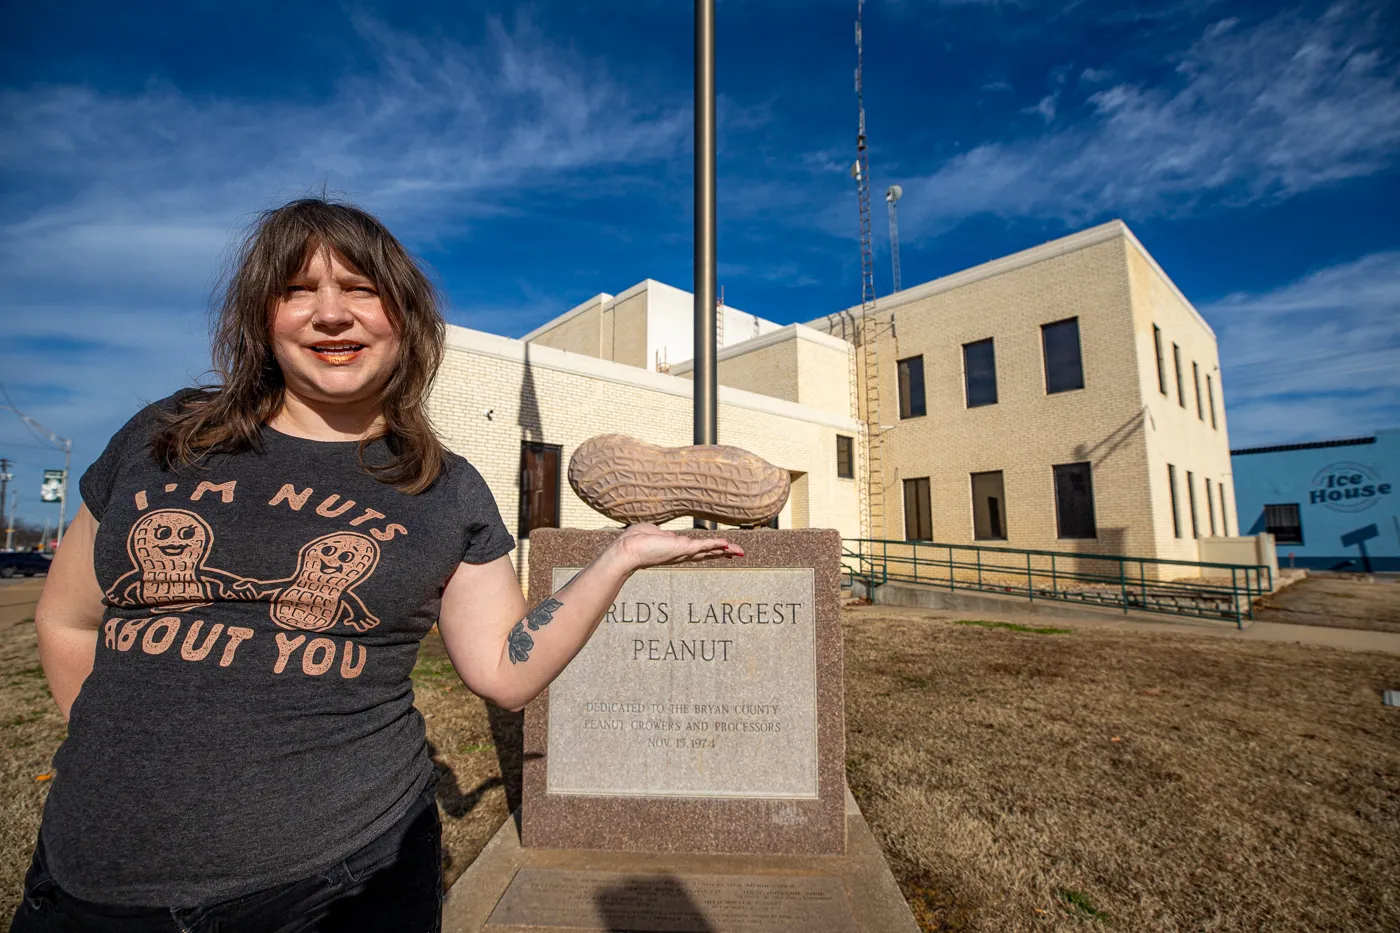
x: 1145, y: 584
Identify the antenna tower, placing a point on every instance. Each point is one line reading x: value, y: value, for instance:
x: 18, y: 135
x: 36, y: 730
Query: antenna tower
x: 865, y: 360
x: 892, y: 195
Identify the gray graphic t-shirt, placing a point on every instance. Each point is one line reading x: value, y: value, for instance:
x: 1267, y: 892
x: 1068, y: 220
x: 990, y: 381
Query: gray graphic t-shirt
x: 249, y: 719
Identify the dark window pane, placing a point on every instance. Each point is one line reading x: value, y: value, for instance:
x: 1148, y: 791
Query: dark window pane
x: 1064, y: 368
x: 1074, y: 501
x: 1210, y: 507
x: 1180, y: 384
x: 1224, y: 522
x: 988, y: 506
x: 1210, y: 400
x: 1176, y: 514
x: 1284, y: 523
x: 911, y: 387
x: 1191, y: 498
x: 539, y: 487
x: 980, y: 367
x: 918, y: 514
x: 1161, y: 360
x: 845, y: 457
x: 1196, y: 378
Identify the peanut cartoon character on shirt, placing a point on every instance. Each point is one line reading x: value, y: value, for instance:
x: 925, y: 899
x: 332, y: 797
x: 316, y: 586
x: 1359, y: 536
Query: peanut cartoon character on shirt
x: 321, y: 593
x: 169, y: 548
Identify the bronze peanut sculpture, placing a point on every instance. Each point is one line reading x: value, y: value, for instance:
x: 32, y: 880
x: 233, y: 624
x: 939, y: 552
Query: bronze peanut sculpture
x: 631, y: 481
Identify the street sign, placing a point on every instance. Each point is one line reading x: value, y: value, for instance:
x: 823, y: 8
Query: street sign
x: 52, y: 490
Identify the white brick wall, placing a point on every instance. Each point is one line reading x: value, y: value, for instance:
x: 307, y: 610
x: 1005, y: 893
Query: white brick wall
x: 550, y: 396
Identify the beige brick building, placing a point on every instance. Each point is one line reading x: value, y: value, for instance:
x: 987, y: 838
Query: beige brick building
x: 498, y: 401
x: 1048, y: 359
x: 1019, y: 403
x: 650, y: 325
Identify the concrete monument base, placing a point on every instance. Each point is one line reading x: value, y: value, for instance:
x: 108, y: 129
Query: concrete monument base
x: 511, y: 889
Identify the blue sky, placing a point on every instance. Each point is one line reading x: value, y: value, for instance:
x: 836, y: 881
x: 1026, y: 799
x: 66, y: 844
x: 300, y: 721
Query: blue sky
x: 537, y: 154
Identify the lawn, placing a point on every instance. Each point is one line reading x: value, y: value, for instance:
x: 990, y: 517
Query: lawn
x: 1337, y: 600
x: 1023, y: 780
x: 1018, y: 777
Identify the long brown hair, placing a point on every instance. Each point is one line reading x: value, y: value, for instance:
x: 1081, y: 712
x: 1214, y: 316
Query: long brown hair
x: 229, y: 416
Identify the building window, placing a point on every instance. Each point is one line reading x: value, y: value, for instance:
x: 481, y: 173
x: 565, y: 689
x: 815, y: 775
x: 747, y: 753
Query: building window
x: 1180, y: 385
x: 1191, y: 498
x: 1210, y: 400
x: 980, y: 370
x: 1196, y: 378
x: 1284, y: 523
x: 1210, y: 508
x: 1176, y: 513
x: 845, y: 456
x: 911, y: 388
x: 1161, y: 359
x: 1074, y: 501
x: 1224, y: 522
x: 1064, y: 367
x: 988, y: 506
x: 918, y: 514
x: 539, y: 487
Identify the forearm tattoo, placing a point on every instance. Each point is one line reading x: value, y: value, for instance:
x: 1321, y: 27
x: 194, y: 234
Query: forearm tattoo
x: 519, y: 640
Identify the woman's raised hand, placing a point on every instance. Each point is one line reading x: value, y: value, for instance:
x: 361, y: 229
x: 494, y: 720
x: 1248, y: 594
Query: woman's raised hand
x: 646, y: 545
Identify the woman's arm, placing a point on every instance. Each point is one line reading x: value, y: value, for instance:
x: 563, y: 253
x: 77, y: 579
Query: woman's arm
x: 508, y: 655
x: 69, y: 613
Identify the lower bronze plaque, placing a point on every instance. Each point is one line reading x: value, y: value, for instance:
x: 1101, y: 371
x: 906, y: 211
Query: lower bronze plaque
x: 548, y: 899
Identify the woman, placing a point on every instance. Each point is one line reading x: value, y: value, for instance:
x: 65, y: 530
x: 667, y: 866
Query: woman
x: 232, y: 619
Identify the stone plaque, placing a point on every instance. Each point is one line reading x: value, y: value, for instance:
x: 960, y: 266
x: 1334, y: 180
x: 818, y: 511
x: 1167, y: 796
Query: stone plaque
x: 697, y: 683
x: 550, y: 899
x: 705, y: 713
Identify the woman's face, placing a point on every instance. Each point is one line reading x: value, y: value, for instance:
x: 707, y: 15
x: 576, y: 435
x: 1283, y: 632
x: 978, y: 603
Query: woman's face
x: 331, y: 334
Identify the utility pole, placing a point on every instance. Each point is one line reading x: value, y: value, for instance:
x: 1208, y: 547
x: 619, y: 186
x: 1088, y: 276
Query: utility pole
x: 6, y: 519
x: 62, y: 443
x: 10, y: 528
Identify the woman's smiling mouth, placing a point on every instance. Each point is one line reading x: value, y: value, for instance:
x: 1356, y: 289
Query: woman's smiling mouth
x: 337, y: 354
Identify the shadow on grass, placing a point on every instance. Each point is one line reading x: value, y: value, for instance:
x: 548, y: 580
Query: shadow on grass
x: 1013, y: 627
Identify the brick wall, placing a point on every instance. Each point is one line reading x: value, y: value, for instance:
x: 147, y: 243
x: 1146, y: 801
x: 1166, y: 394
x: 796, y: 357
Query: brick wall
x: 1179, y: 435
x: 541, y: 394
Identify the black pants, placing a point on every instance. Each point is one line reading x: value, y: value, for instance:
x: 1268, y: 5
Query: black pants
x: 394, y: 883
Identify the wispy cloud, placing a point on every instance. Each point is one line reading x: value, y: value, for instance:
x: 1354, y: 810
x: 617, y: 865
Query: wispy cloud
x: 1045, y: 107
x: 1318, y: 357
x: 1252, y: 113
x: 433, y: 130
x: 118, y: 206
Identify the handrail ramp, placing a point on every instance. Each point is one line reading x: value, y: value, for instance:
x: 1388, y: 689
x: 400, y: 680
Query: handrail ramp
x: 1145, y: 584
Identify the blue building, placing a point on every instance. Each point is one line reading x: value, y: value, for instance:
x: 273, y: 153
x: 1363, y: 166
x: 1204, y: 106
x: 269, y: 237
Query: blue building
x: 1331, y: 505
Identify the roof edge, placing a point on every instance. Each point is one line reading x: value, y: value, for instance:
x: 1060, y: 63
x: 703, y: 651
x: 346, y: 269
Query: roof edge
x: 1307, y: 445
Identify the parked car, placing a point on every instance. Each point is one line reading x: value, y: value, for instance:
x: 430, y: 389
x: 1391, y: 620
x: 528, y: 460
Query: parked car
x: 23, y: 564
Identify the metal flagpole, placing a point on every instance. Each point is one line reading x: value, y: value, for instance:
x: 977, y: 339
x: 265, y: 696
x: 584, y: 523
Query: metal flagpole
x: 706, y: 312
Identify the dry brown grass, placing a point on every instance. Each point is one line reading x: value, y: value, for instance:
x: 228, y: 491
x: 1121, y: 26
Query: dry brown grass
x: 32, y: 730
x: 1336, y: 600
x: 1022, y: 781
x: 1252, y: 787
